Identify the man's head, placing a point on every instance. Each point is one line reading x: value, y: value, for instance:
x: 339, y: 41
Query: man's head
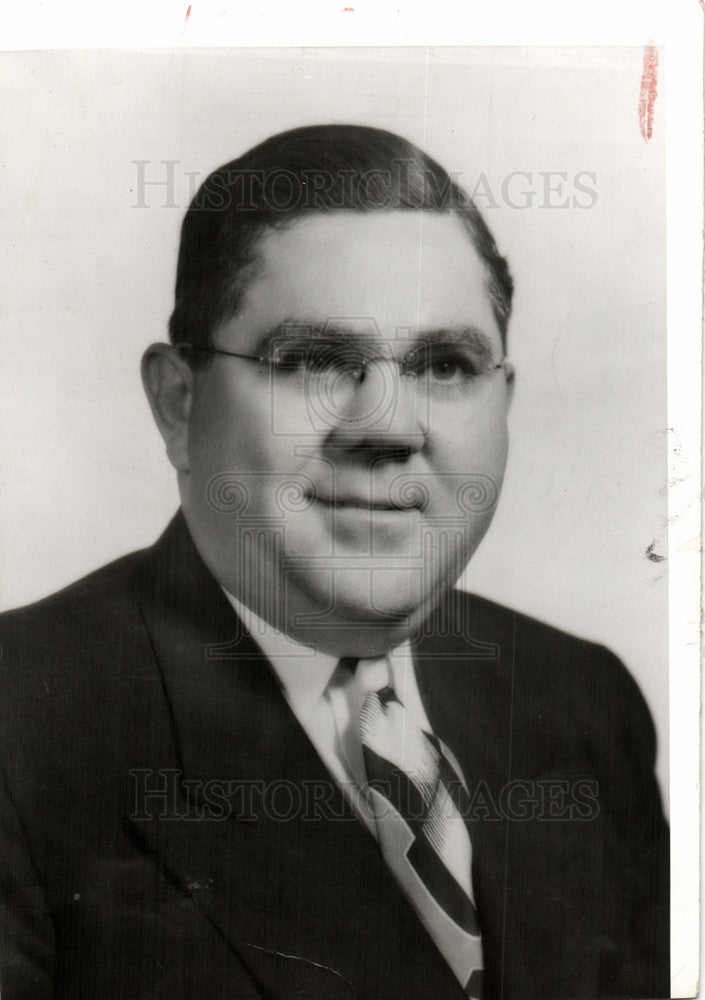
x: 288, y: 177
x: 339, y: 470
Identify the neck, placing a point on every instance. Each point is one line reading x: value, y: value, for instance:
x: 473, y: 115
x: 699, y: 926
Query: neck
x: 307, y: 608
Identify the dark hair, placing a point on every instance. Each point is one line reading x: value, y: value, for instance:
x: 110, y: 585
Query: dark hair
x: 318, y: 168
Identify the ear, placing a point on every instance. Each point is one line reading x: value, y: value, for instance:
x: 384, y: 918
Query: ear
x: 168, y: 381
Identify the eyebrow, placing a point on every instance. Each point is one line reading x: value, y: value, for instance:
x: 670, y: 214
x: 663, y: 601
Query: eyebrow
x: 296, y: 331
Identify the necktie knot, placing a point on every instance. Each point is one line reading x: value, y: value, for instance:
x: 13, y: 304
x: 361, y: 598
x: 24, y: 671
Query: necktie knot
x: 349, y: 663
x: 370, y: 673
x: 387, y: 694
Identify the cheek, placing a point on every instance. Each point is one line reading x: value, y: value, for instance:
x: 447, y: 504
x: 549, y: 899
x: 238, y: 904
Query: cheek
x: 237, y: 460
x: 467, y: 469
x: 224, y: 430
x: 477, y: 444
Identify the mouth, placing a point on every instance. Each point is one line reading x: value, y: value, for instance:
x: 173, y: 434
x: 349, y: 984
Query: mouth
x: 363, y: 503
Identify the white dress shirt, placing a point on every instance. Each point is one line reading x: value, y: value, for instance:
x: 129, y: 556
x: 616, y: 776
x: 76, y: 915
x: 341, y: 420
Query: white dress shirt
x: 326, y: 699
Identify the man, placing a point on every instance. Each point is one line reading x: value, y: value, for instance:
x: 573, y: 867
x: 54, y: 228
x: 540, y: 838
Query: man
x: 278, y: 754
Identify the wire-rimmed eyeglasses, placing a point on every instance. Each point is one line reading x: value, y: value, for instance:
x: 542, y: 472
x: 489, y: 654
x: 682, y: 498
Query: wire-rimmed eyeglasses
x: 452, y: 369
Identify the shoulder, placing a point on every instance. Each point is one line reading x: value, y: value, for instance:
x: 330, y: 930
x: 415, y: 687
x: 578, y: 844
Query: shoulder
x: 84, y: 609
x: 63, y: 659
x: 552, y: 674
x: 101, y: 606
x: 530, y: 644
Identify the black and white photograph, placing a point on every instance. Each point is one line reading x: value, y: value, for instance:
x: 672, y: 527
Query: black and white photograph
x: 335, y: 518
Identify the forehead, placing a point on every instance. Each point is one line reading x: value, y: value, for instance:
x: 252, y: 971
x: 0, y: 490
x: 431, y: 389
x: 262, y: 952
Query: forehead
x: 404, y: 269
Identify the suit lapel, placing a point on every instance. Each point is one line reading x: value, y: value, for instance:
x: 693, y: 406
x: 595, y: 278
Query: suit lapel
x: 265, y: 843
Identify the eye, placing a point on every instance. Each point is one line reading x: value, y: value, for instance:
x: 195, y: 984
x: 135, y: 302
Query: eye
x: 446, y: 364
x: 445, y: 370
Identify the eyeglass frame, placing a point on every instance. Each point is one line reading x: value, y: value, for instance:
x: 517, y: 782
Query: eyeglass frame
x: 271, y: 363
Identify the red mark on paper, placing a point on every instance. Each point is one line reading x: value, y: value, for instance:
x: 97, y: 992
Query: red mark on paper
x: 188, y: 15
x: 647, y: 94
x: 345, y: 9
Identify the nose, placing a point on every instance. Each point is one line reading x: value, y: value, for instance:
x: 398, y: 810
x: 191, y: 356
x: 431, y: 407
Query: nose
x: 383, y: 416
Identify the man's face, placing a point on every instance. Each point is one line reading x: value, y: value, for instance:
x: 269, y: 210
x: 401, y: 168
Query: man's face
x: 337, y: 499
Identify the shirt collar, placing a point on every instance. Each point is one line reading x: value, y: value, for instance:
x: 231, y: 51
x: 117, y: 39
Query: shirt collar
x: 303, y: 671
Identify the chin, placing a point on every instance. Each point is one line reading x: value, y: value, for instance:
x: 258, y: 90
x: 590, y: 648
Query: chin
x: 376, y: 593
x: 368, y: 610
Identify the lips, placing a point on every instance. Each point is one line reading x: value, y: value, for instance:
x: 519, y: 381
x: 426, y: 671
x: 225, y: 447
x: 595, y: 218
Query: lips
x: 363, y: 503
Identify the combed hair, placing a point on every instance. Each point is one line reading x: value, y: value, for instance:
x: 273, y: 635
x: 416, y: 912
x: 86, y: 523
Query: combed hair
x: 318, y: 168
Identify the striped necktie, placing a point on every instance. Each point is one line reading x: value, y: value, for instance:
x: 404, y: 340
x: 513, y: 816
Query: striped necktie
x: 417, y: 792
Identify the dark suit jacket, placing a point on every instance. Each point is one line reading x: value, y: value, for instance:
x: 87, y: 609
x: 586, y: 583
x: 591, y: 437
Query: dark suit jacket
x: 244, y: 874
